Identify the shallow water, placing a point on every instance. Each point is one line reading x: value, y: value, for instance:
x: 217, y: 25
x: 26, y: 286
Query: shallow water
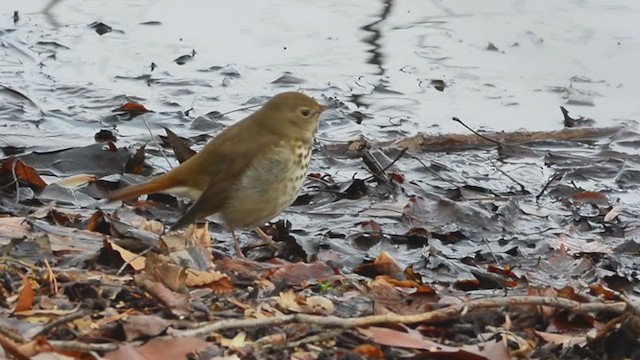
x: 376, y: 57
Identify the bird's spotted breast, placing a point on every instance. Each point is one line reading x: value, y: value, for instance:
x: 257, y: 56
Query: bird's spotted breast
x: 270, y: 185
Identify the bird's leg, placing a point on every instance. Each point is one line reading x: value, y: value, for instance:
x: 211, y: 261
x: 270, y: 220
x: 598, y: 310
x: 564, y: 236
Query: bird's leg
x: 262, y: 235
x: 236, y: 244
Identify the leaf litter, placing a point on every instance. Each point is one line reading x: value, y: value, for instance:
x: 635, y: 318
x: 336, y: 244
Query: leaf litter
x: 417, y: 239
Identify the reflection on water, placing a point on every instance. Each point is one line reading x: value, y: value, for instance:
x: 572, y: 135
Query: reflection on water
x: 374, y: 34
x: 376, y: 57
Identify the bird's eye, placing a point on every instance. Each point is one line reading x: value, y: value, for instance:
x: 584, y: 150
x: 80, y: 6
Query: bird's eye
x: 304, y: 112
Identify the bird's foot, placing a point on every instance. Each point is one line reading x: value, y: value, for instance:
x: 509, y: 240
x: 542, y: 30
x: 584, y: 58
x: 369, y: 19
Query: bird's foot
x: 267, y: 240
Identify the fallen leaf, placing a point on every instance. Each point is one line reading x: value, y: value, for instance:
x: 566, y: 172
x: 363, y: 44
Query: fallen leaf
x: 289, y: 301
x: 132, y: 108
x: 25, y: 299
x: 490, y: 350
x: 135, y: 164
x: 180, y: 148
x: 13, y: 168
x: 75, y: 181
x: 136, y: 261
x: 140, y: 326
x: 566, y: 340
x: 174, y: 348
x: 177, y: 303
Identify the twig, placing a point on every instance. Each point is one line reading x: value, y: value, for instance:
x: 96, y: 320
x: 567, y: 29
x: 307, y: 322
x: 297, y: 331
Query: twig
x: 456, y: 119
x: 15, y: 179
x: 522, y: 188
x: 80, y: 346
x: 553, y: 178
x: 374, y: 166
x: 146, y: 124
x: 14, y: 336
x: 448, y: 313
x: 61, y: 321
x: 52, y: 277
x: 381, y: 171
x: 495, y: 258
x: 432, y: 171
x: 239, y: 109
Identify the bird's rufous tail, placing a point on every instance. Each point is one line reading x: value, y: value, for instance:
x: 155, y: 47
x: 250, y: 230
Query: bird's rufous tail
x: 159, y: 184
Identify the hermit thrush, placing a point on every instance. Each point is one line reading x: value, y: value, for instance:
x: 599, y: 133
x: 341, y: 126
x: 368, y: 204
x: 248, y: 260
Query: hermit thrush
x: 248, y: 173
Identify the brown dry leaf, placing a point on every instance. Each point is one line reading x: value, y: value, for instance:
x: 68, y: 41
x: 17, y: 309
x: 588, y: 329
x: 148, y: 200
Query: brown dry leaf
x: 278, y: 339
x: 59, y: 216
x: 139, y: 326
x: 180, y: 149
x: 290, y: 301
x: 199, y: 236
x: 215, y: 280
x: 132, y: 108
x: 369, y: 351
x: 135, y: 164
x: 94, y: 222
x: 153, y: 226
x: 64, y: 218
x: 10, y: 348
x: 387, y: 265
x: 238, y: 341
x: 385, y: 297
x: 175, y: 348
x: 422, y: 289
x: 11, y: 167
x: 159, y: 268
x: 25, y: 299
x: 566, y: 340
x: 173, y: 242
x: 372, y: 227
x: 136, y: 261
x: 178, y: 277
x: 603, y: 292
x: 413, y: 339
x: 590, y: 197
x: 177, y: 303
x: 295, y: 273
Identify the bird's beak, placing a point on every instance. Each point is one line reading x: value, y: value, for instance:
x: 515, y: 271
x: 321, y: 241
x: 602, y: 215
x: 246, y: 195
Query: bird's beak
x: 321, y: 108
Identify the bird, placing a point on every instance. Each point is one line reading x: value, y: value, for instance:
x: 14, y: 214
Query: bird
x: 250, y: 172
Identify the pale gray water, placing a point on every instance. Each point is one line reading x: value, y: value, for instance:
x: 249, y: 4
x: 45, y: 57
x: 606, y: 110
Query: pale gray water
x: 378, y: 57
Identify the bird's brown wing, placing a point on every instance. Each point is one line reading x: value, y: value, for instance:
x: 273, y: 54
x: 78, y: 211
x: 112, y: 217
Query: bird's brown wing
x: 225, y: 159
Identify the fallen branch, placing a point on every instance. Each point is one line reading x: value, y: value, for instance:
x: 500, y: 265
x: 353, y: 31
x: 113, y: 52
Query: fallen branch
x: 423, y: 142
x: 448, y: 313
